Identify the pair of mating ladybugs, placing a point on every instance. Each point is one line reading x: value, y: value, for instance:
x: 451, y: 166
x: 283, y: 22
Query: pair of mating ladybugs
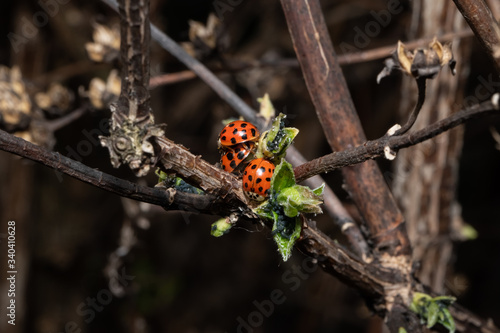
x: 237, y: 141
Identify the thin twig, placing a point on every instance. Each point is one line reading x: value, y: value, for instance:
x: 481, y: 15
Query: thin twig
x: 373, y: 149
x: 414, y: 114
x: 170, y: 78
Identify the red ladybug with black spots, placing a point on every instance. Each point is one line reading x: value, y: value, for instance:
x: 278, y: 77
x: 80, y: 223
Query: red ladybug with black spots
x: 257, y: 179
x: 236, y: 132
x: 235, y: 155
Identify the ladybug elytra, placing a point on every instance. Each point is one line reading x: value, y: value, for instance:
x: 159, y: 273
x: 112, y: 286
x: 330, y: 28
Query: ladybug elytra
x: 236, y: 154
x: 236, y: 132
x: 257, y: 179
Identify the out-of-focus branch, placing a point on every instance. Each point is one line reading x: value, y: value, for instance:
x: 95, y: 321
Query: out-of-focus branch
x: 236, y: 65
x: 486, y: 28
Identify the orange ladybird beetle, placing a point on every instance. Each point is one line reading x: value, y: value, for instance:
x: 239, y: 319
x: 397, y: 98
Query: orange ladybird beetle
x: 235, y: 155
x: 236, y: 132
x: 257, y: 179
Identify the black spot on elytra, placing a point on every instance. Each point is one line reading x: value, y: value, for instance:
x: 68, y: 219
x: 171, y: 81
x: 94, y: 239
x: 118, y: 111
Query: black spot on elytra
x: 246, y: 185
x: 253, y: 131
x: 241, y: 155
x: 250, y: 178
x: 245, y: 173
x: 244, y: 125
x: 253, y: 167
x: 231, y: 125
x: 224, y: 131
x: 258, y: 180
x: 269, y: 170
x: 235, y: 131
x: 262, y: 169
x: 268, y: 179
x: 232, y: 164
x: 223, y: 138
x: 261, y: 189
x: 233, y: 141
x: 244, y: 137
x: 230, y: 156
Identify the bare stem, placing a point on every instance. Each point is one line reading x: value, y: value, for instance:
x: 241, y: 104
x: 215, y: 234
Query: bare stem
x: 373, y: 149
x: 414, y: 114
x: 486, y: 28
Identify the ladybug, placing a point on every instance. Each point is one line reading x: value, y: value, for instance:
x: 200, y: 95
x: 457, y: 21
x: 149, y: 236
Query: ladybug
x: 236, y: 154
x: 257, y: 179
x: 236, y: 132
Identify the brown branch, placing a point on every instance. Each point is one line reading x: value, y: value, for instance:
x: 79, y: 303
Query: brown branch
x: 414, y: 114
x: 169, y: 200
x: 236, y: 65
x: 135, y: 36
x: 132, y: 121
x: 486, y: 28
x: 368, y: 279
x: 342, y: 127
x: 337, y: 211
x: 170, y: 78
x: 373, y: 149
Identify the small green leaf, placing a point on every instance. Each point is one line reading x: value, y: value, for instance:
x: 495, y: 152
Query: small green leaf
x: 444, y: 300
x: 285, y: 245
x: 319, y: 190
x: 265, y: 210
x: 162, y: 176
x: 274, y: 142
x: 220, y: 227
x: 402, y: 330
x: 283, y: 177
x: 300, y: 198
x: 433, y: 310
x: 448, y: 321
x: 432, y: 314
x: 468, y: 232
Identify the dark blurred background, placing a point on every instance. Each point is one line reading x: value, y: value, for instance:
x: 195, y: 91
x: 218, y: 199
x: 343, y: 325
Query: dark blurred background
x: 176, y: 277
